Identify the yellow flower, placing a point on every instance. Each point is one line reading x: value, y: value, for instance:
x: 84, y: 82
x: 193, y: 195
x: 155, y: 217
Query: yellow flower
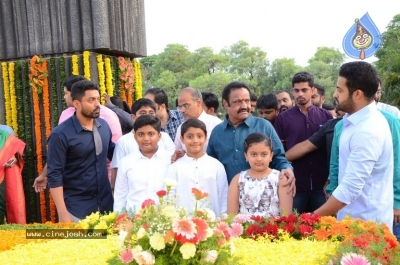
x: 83, y: 224
x: 141, y: 233
x: 157, y: 241
x: 101, y: 225
x: 86, y: 64
x: 75, y: 69
x: 94, y: 218
x: 188, y: 250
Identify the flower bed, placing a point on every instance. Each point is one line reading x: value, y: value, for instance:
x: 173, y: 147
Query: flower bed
x: 164, y: 234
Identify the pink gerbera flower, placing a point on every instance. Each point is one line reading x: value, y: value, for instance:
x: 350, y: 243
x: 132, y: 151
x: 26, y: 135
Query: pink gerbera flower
x: 241, y: 218
x: 235, y: 230
x: 202, y: 227
x: 184, y: 227
x: 354, y: 259
x: 126, y: 256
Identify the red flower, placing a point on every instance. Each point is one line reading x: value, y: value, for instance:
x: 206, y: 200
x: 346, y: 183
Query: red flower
x: 257, y: 219
x: 198, y: 194
x: 145, y: 226
x: 289, y: 227
x: 271, y: 229
x: 182, y: 239
x: 147, y: 203
x: 161, y: 193
x: 291, y: 218
x: 253, y: 231
x: 309, y: 219
x: 305, y: 230
x: 201, y: 226
x: 121, y: 218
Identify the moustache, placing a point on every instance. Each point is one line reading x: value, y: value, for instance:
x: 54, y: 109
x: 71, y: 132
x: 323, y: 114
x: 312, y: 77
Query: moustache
x: 242, y: 110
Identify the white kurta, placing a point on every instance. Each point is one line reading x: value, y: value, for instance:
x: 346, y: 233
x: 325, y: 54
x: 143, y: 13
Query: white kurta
x: 139, y: 178
x: 206, y: 174
x: 209, y: 120
x: 127, y: 145
x: 366, y: 167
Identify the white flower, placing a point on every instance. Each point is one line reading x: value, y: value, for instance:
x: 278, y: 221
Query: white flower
x: 169, y: 182
x: 210, y: 232
x: 211, y: 256
x: 210, y: 214
x: 157, y: 241
x: 137, y: 249
x: 144, y: 258
x: 141, y: 233
x: 188, y: 250
x: 170, y: 211
x: 121, y: 237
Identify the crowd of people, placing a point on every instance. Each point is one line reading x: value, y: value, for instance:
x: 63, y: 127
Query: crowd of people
x: 300, y: 154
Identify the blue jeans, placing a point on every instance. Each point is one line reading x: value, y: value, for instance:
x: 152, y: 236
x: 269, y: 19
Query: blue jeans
x: 313, y: 198
x: 396, y: 231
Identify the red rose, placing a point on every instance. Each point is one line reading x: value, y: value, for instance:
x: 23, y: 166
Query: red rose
x: 161, y: 193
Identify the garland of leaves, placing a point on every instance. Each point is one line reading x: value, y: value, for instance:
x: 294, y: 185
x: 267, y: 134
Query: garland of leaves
x: 54, y: 94
x: 116, y: 83
x: 75, y: 66
x: 86, y: 64
x: 62, y: 80
x: 20, y: 102
x: 100, y: 69
x: 138, y: 81
x: 7, y: 98
x: 13, y: 99
x: 29, y: 168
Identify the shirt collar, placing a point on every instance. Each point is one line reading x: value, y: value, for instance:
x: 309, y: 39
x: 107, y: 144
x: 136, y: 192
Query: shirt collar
x: 359, y: 115
x: 249, y: 121
x: 172, y: 115
x: 78, y: 126
x: 158, y: 154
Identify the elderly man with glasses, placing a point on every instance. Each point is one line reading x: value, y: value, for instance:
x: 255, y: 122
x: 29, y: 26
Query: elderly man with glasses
x: 383, y: 106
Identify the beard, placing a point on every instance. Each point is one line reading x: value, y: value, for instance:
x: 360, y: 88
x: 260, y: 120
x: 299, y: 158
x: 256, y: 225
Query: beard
x: 346, y: 105
x: 91, y: 114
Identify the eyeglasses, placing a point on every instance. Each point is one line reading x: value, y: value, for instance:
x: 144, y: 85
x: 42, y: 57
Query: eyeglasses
x: 183, y: 106
x: 380, y: 92
x: 240, y: 101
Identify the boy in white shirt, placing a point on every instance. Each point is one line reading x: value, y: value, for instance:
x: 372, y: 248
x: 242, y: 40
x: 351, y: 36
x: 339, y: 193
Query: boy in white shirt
x: 198, y: 170
x: 127, y: 143
x: 141, y: 174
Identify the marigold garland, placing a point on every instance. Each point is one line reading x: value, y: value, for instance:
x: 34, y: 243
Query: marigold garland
x: 100, y: 68
x: 138, y: 81
x: 7, y: 98
x: 13, y: 98
x: 38, y: 73
x: 109, y: 77
x: 86, y: 64
x: 75, y: 66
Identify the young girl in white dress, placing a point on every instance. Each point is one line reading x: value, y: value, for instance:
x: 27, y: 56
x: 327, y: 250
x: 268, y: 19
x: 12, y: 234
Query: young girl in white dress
x: 258, y: 190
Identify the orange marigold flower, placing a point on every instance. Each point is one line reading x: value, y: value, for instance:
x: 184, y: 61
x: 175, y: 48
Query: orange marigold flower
x: 198, y: 194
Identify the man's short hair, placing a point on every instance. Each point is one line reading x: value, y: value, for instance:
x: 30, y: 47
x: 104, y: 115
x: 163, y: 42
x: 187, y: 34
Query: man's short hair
x: 210, y: 100
x: 72, y: 80
x: 145, y: 120
x: 143, y: 102
x: 327, y: 106
x: 160, y: 96
x: 320, y: 89
x: 267, y: 101
x: 253, y: 97
x: 193, y: 123
x: 285, y: 91
x: 360, y: 76
x: 233, y: 86
x: 79, y: 89
x: 303, y: 77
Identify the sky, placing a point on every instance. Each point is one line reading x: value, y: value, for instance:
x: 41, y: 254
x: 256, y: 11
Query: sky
x: 281, y: 28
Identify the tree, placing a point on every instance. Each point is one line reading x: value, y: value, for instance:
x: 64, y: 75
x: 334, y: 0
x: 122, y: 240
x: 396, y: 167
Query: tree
x: 331, y: 56
x: 280, y: 75
x: 388, y: 64
x: 250, y: 63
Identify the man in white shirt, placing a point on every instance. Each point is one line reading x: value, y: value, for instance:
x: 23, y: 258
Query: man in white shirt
x: 365, y: 188
x: 190, y: 104
x: 383, y: 106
